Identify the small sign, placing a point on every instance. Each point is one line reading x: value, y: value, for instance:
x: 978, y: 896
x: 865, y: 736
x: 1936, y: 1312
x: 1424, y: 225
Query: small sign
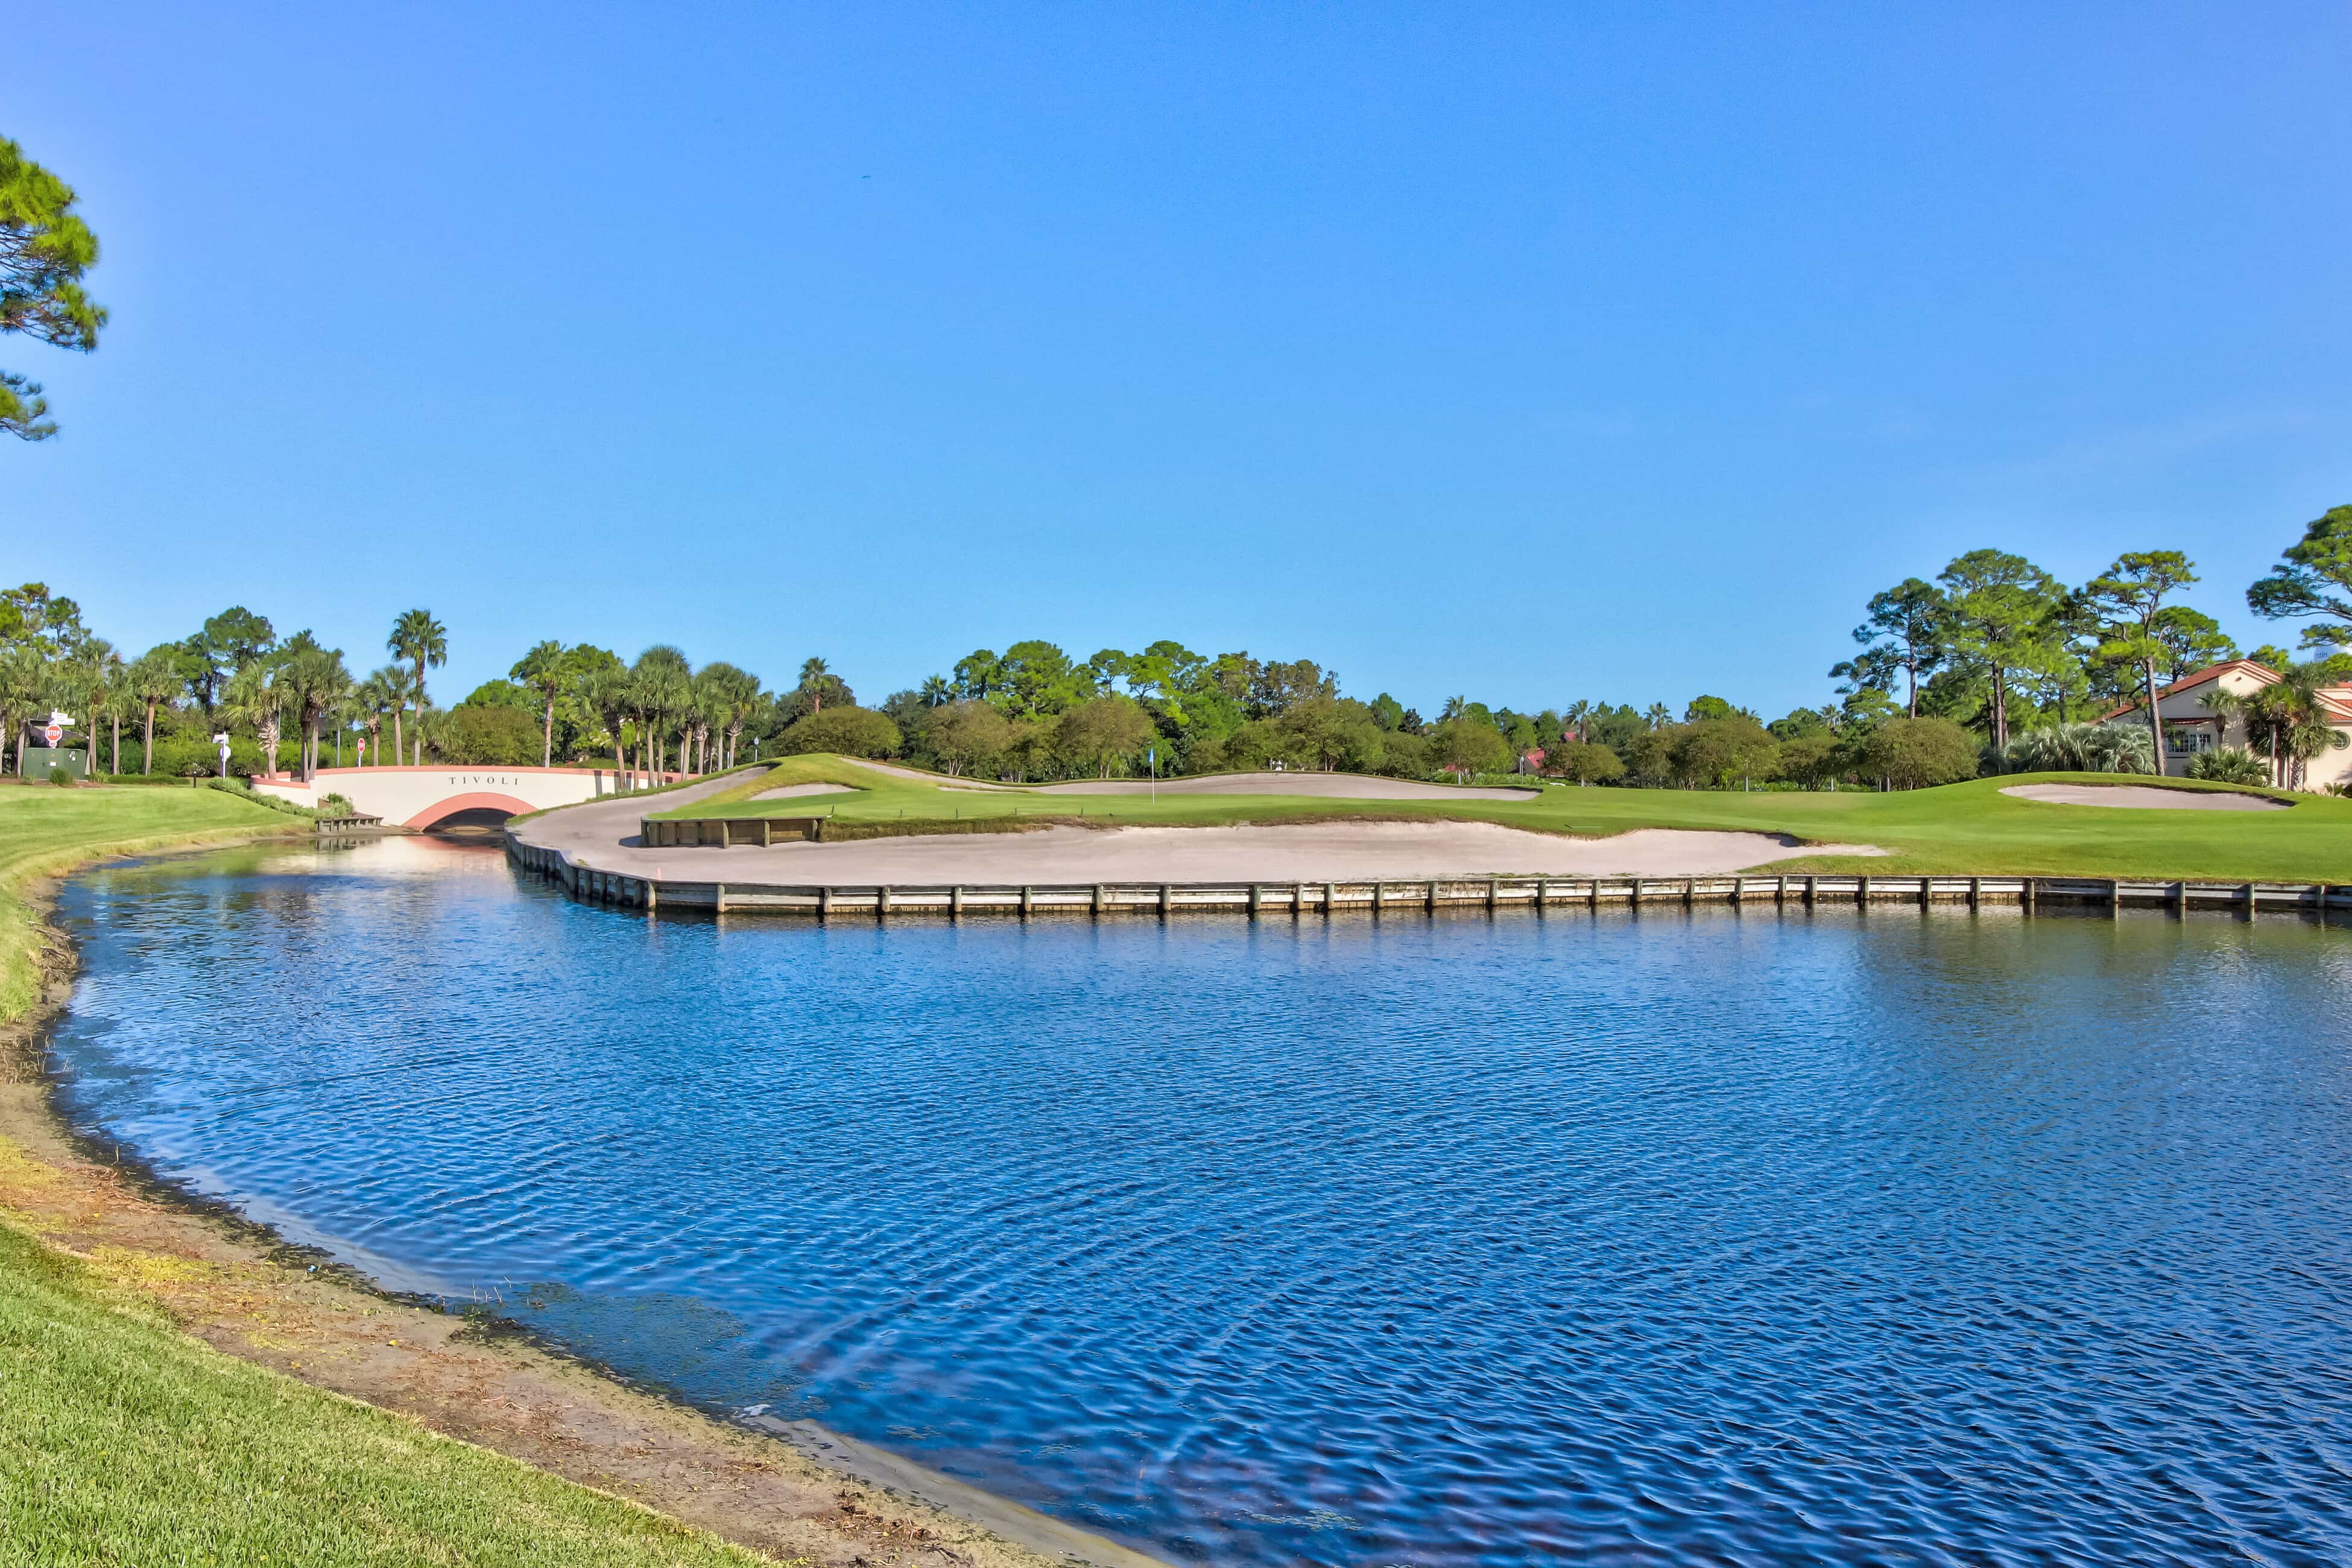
x: 52, y: 734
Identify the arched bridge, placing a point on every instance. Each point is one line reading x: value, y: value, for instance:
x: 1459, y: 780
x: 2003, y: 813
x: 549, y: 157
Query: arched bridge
x: 430, y: 797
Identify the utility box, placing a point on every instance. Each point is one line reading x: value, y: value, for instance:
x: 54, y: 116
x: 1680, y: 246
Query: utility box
x: 39, y: 760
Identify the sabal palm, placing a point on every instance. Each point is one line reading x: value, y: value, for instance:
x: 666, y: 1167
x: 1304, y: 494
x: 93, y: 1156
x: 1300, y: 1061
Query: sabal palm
x: 546, y: 670
x: 255, y: 697
x: 381, y: 696
x: 154, y: 680
x: 417, y: 638
x: 434, y: 732
x: 315, y: 682
x: 937, y: 693
x: 1658, y: 716
x: 661, y: 680
x: 115, y: 703
x: 2276, y: 712
x: 23, y: 687
x: 734, y: 697
x: 611, y: 696
x: 80, y: 682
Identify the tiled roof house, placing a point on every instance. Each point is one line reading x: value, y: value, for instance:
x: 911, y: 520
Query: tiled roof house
x: 2190, y: 726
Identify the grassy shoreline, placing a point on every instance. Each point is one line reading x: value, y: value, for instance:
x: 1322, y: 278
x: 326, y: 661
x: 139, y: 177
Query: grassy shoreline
x: 1962, y: 829
x: 176, y: 1387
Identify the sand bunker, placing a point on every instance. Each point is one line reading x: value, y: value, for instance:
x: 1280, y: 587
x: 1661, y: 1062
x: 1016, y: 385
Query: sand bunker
x: 1317, y: 786
x: 603, y: 834
x: 2145, y: 796
x: 789, y: 791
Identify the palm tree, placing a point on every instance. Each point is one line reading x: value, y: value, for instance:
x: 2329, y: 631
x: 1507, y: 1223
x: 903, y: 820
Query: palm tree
x: 80, y: 682
x: 23, y: 687
x: 611, y: 696
x: 434, y: 729
x: 2224, y: 705
x: 661, y: 675
x: 154, y: 680
x: 1577, y: 713
x: 1657, y: 716
x: 315, y: 682
x: 121, y: 703
x: 937, y: 693
x: 812, y: 674
x: 733, y: 697
x: 546, y: 670
x: 383, y: 695
x: 2275, y: 713
x: 419, y: 638
x: 255, y: 696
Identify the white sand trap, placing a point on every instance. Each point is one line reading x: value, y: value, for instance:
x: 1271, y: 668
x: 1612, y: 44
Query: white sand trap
x: 1319, y: 786
x: 602, y: 835
x: 1307, y: 785
x: 789, y: 791
x: 2145, y: 796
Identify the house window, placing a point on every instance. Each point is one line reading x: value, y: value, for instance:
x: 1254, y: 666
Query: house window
x: 2187, y: 741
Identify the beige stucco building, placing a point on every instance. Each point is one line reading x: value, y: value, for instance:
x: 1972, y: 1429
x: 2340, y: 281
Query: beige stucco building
x: 2191, y: 726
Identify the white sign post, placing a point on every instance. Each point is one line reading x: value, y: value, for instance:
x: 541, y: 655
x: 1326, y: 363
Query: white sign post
x: 221, y: 740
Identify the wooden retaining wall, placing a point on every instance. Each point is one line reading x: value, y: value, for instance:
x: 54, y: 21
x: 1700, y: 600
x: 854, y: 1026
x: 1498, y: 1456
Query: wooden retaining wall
x: 720, y: 832
x: 1097, y: 900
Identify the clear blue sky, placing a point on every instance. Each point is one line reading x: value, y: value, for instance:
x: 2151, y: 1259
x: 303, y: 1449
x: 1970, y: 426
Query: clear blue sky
x: 1535, y: 353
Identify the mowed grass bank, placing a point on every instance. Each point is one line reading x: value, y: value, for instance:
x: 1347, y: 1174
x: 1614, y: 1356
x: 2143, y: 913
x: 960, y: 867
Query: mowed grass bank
x: 125, y: 1441
x: 1959, y: 830
x: 44, y: 830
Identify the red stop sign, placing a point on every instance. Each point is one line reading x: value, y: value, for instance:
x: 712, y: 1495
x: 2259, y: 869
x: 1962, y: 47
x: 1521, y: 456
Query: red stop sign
x: 53, y: 734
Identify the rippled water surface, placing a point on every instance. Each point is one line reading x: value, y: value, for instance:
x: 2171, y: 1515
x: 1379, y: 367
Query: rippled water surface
x: 1706, y: 1237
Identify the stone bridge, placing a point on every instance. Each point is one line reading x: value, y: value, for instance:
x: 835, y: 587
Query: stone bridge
x: 437, y: 797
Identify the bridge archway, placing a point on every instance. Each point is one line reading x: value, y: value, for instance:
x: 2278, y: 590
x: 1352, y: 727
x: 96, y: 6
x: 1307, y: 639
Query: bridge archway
x: 482, y: 801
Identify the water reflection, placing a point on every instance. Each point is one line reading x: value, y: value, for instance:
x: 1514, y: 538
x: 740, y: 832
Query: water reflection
x: 1721, y: 1235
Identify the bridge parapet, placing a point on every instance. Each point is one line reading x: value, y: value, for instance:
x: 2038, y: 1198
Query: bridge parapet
x: 422, y: 796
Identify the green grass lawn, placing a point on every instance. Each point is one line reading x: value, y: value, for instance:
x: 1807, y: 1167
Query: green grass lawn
x: 125, y: 1441
x: 1959, y: 830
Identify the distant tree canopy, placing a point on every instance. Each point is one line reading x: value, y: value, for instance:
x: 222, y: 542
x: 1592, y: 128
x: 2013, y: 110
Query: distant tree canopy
x: 1994, y: 647
x: 45, y: 249
x: 847, y: 731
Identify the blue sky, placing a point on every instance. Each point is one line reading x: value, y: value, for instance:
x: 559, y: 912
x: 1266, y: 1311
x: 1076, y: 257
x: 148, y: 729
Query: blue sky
x: 1535, y: 353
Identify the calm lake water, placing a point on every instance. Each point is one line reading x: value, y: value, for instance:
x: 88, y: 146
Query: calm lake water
x: 1708, y: 1236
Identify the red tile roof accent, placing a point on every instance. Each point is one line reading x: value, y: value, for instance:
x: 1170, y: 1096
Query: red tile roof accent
x: 2262, y: 672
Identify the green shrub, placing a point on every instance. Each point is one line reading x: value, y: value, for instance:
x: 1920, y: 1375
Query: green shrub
x: 490, y: 737
x: 2230, y: 764
x: 1918, y: 753
x: 2082, y: 749
x: 843, y: 732
x: 61, y: 777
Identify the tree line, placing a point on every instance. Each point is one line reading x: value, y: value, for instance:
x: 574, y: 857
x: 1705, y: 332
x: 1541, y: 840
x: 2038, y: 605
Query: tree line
x: 1993, y: 666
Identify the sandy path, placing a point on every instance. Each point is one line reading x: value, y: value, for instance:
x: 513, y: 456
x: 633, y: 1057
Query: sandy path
x: 602, y: 836
x: 2144, y: 797
x: 1319, y: 786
